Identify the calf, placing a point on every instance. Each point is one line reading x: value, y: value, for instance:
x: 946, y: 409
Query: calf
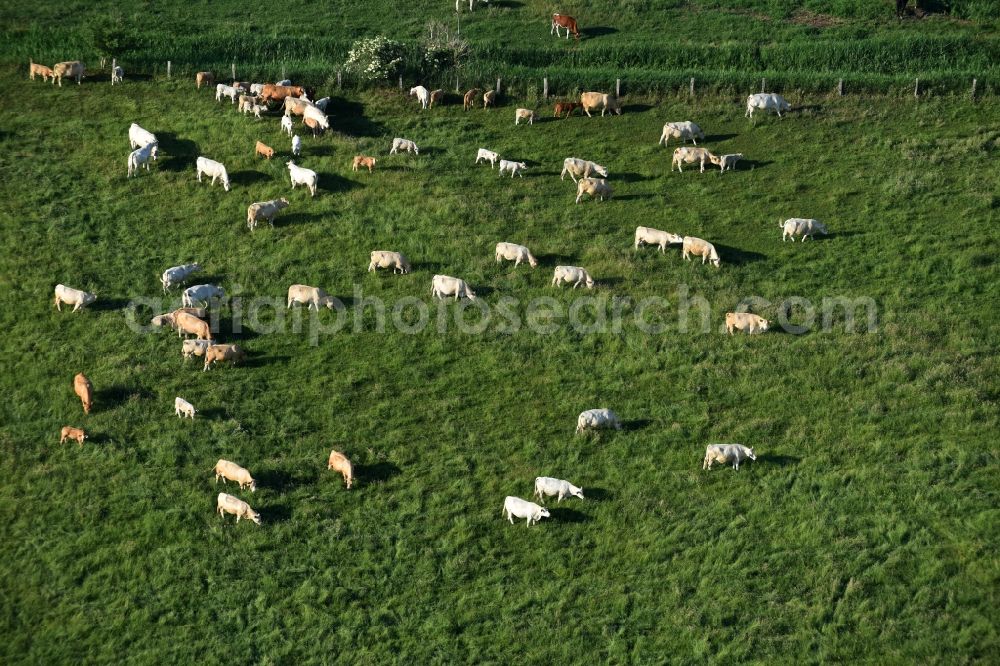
x: 724, y: 453
x: 572, y: 274
x: 34, y: 69
x: 524, y: 114
x: 487, y: 155
x: 422, y: 94
x: 437, y: 96
x: 69, y: 432
x: 85, y: 390
x: 745, y: 321
x: 515, y: 168
x: 566, y: 108
x: 303, y: 176
x: 141, y: 157
x: 546, y: 486
x: 229, y: 504
x: 363, y: 161
x: 75, y: 297
x: 286, y: 124
x: 469, y: 99
x: 593, y: 419
x: 386, y: 259
x: 117, y: 75
x: 203, y: 78
x: 644, y: 235
x: 489, y: 98
x: 191, y: 348
x: 726, y: 162
x: 515, y: 507
x: 338, y: 462
x: 564, y: 21
x: 225, y: 469
x: 296, y: 145
x: 263, y: 150
x: 183, y: 408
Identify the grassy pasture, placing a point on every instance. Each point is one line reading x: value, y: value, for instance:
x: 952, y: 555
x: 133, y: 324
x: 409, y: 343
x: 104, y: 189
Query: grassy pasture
x: 865, y: 531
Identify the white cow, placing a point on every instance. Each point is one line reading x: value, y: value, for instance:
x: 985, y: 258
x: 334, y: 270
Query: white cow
x: 681, y: 130
x: 798, y: 226
x: 256, y: 88
x: 515, y: 168
x: 487, y: 155
x: 317, y: 116
x: 303, y: 176
x: 191, y: 348
x: 726, y: 162
x: 546, y: 486
x: 313, y: 296
x: 515, y: 507
x: 201, y: 293
x: 724, y: 453
x: 321, y: 104
x: 422, y: 94
x: 225, y: 469
x: 516, y: 253
x: 177, y: 274
x: 230, y: 504
x: 222, y: 90
x: 577, y: 168
x: 443, y: 286
x: 524, y: 114
x: 183, y: 408
x: 75, y: 297
x: 644, y: 235
x: 138, y: 137
x: 766, y: 102
x: 286, y: 124
x: 216, y: 170
x: 141, y: 157
x: 593, y: 419
x: 572, y: 274
x: 700, y: 248
x: 594, y: 187
x: 387, y: 259
x: 284, y: 82
x: 265, y: 210
x: 405, y: 145
x: 296, y: 145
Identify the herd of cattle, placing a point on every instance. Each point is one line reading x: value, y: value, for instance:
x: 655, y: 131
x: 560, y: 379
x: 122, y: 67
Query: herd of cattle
x: 591, y: 180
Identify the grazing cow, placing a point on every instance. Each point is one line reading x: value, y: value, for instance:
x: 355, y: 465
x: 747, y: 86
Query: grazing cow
x: 312, y: 296
x: 255, y: 89
x: 245, y: 103
x: 681, y: 130
x: 139, y: 137
x: 405, y: 145
x: 242, y: 85
x: 577, y: 168
x: 197, y: 312
x: 275, y: 92
x: 745, y: 321
x: 524, y: 114
x: 387, y: 259
x: 141, y: 157
x: 338, y: 462
x: 515, y: 507
x: 443, y: 286
x: 593, y: 187
x: 258, y: 110
x: 572, y: 275
x: 216, y: 353
x: 302, y: 176
x: 265, y: 210
x: 422, y: 94
x: 183, y: 408
x: 188, y: 323
x: 546, y: 486
x: 203, y: 78
x: 191, y: 348
x: 222, y: 90
x: 726, y: 162
x: 117, y: 75
x: 798, y: 226
x: 72, y: 69
x: 263, y: 150
x: 363, y: 161
x: 566, y: 108
x: 230, y: 471
x: 766, y: 102
x: 321, y: 104
x: 515, y: 168
x: 216, y: 170
x: 286, y: 124
x: 594, y: 419
x: 34, y: 69
x: 489, y: 98
x: 724, y: 453
x: 85, y: 390
x: 75, y: 297
x: 320, y: 119
x: 296, y: 145
x: 69, y: 432
x: 201, y: 293
x: 313, y: 125
x: 488, y: 155
x: 437, y: 96
x: 592, y: 101
x: 177, y: 274
x: 469, y: 99
x: 564, y: 21
x: 699, y: 248
x: 163, y: 320
x: 229, y: 504
x: 516, y: 253
x: 691, y: 156
x: 644, y: 235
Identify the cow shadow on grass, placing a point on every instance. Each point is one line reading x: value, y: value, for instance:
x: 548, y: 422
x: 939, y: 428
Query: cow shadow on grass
x: 278, y: 512
x: 293, y: 219
x: 261, y: 361
x: 733, y: 255
x: 377, y: 473
x: 105, y: 304
x: 179, y: 154
x: 507, y: 4
x: 598, y: 31
x: 635, y: 108
x: 749, y: 165
x: 630, y: 177
x: 630, y: 197
x: 806, y: 107
x: 351, y: 120
x: 554, y: 259
x: 598, y: 494
x: 331, y: 182
x: 777, y: 459
x: 564, y: 515
x: 248, y: 177
x: 118, y: 394
x: 211, y: 412
x: 635, y: 424
x: 281, y: 481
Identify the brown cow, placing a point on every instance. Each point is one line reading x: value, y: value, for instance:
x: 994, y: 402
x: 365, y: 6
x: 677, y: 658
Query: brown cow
x: 188, y: 323
x: 69, y: 432
x: 203, y: 78
x: 40, y: 70
x: 436, y: 96
x: 263, y: 150
x: 567, y: 108
x: 469, y: 101
x: 563, y: 21
x: 83, y: 388
x: 275, y: 93
x: 362, y: 161
x: 339, y: 463
x: 215, y: 353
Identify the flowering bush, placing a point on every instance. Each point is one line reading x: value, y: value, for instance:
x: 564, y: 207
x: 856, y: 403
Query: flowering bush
x: 374, y: 59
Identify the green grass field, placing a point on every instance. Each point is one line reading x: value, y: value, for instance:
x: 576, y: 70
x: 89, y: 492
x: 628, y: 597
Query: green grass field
x: 865, y: 532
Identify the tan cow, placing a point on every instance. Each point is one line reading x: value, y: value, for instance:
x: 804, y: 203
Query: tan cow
x: 263, y: 150
x: 69, y: 432
x: 339, y: 463
x: 436, y: 96
x: 689, y: 155
x: 593, y: 187
x: 469, y: 100
x: 524, y: 114
x: 489, y: 98
x: 72, y: 69
x: 363, y: 161
x: 295, y: 106
x: 699, y: 248
x: 275, y: 93
x: 225, y: 469
x: 745, y: 321
x: 83, y: 388
x: 203, y: 78
x: 229, y: 504
x: 387, y: 259
x: 39, y: 70
x: 313, y: 296
x: 215, y: 353
x: 595, y: 100
x: 314, y: 125
x: 188, y: 323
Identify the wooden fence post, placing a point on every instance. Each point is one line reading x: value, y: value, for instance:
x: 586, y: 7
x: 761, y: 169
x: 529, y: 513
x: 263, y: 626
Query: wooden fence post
x: 233, y: 67
x: 114, y: 63
x: 498, y: 86
x: 340, y: 80
x: 545, y: 88
x: 973, y: 89
x: 618, y: 87
x: 840, y: 88
x: 691, y: 90
x: 282, y: 71
x: 763, y: 85
x: 457, y: 89
x: 916, y: 88
x: 400, y: 81
x: 168, y: 68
